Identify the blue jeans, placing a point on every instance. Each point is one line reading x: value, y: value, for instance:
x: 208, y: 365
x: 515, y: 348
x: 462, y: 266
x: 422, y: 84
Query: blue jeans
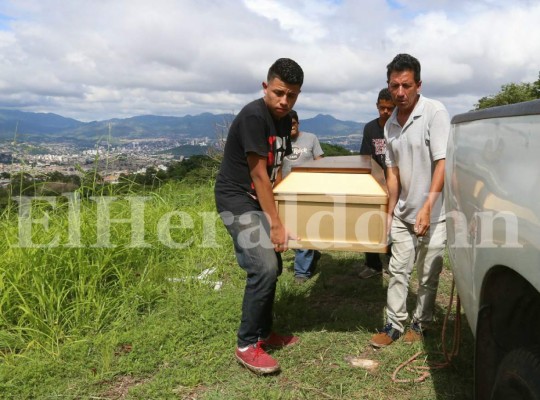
x: 255, y: 255
x: 304, y: 262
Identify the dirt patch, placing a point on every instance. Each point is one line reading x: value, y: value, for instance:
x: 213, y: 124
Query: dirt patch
x: 120, y: 386
x: 193, y: 393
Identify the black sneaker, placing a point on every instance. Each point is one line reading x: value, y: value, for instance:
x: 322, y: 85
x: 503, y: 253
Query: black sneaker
x: 368, y: 272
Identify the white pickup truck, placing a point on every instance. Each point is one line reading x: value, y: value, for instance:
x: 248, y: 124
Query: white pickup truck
x: 492, y: 195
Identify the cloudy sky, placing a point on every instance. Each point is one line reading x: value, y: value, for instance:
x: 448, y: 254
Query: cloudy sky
x: 101, y: 59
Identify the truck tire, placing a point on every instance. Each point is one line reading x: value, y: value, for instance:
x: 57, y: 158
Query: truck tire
x: 518, y: 376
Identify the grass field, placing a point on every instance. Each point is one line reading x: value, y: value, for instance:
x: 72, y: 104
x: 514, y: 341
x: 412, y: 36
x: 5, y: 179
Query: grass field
x: 132, y: 322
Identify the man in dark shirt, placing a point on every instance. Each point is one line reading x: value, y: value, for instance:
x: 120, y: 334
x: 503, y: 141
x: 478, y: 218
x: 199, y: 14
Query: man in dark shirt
x: 258, y: 140
x: 374, y: 144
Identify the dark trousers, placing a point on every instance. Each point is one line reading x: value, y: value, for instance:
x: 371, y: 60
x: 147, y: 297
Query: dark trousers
x: 373, y: 260
x: 255, y: 255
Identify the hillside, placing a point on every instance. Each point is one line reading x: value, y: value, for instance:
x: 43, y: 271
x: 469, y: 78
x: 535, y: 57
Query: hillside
x: 121, y: 317
x: 14, y: 123
x: 327, y: 125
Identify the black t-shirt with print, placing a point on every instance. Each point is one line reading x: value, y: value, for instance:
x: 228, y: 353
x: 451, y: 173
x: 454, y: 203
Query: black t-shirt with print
x: 373, y: 142
x: 252, y: 131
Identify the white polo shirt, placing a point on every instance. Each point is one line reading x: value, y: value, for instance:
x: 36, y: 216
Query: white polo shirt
x: 414, y: 148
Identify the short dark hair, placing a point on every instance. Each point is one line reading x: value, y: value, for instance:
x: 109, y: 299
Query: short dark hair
x: 294, y: 115
x: 287, y: 70
x: 384, y: 94
x: 404, y: 62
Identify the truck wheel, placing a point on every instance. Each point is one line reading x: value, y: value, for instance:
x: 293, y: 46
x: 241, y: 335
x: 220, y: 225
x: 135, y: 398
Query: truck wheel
x: 518, y: 375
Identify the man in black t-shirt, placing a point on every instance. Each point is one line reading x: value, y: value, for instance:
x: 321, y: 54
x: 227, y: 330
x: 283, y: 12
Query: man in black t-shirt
x: 374, y: 144
x: 258, y: 140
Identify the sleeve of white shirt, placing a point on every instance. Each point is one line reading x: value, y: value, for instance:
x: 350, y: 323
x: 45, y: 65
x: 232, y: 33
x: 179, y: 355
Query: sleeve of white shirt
x: 439, y: 130
x: 389, y: 156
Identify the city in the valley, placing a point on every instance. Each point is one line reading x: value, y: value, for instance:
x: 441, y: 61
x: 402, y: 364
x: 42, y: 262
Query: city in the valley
x: 110, y: 161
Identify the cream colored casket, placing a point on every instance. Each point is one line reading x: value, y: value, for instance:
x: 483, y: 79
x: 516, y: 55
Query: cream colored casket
x: 335, y: 203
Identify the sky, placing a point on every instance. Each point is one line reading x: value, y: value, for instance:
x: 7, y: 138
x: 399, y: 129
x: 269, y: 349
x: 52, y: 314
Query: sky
x: 101, y: 59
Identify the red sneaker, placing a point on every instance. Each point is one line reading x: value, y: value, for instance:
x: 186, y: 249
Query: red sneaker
x: 257, y: 360
x: 276, y: 341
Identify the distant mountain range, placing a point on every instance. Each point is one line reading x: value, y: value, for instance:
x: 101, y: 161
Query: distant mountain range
x: 34, y: 127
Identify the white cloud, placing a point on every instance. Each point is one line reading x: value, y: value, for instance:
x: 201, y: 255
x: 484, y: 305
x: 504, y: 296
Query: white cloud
x: 301, y: 19
x: 102, y: 59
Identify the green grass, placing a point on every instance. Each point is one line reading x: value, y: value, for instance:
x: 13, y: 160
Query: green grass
x: 136, y: 323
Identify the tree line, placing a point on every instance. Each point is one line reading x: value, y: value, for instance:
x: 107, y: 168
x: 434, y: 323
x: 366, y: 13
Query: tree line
x: 511, y: 93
